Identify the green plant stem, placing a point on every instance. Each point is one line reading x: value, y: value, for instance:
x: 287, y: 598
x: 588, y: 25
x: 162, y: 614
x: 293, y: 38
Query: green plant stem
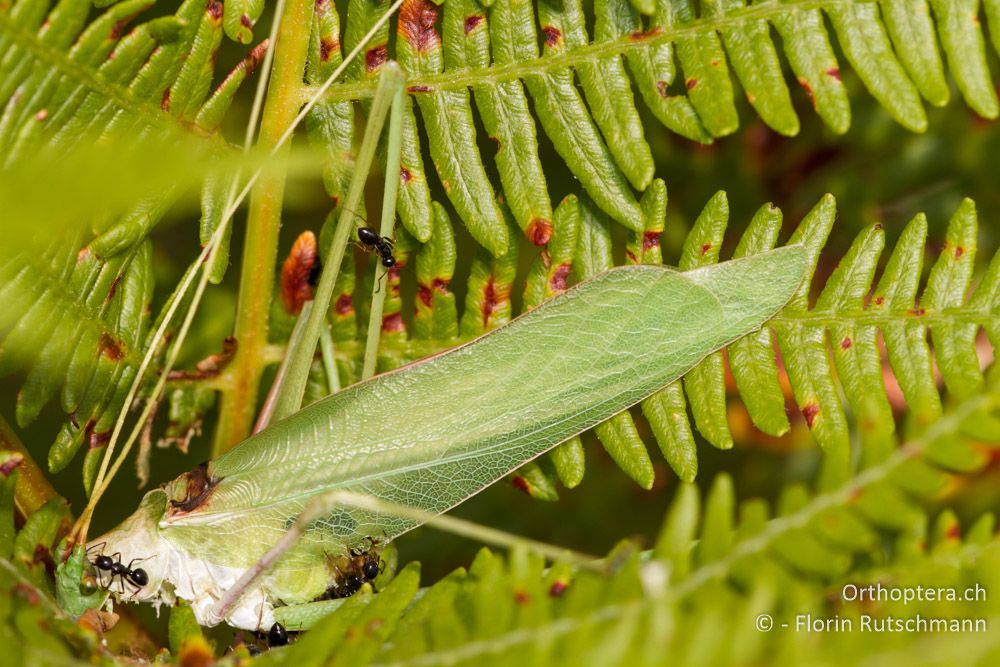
x: 268, y: 412
x: 329, y: 356
x: 33, y: 489
x: 239, y: 399
x: 390, y: 79
x: 386, y: 229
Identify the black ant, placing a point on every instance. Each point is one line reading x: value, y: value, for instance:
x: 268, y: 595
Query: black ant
x: 380, y: 245
x: 364, y: 566
x: 368, y: 561
x: 113, y: 565
x: 277, y: 635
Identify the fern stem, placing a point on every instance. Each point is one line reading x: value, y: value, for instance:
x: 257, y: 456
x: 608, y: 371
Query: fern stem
x: 829, y: 320
x: 460, y: 79
x: 33, y: 489
x: 239, y: 400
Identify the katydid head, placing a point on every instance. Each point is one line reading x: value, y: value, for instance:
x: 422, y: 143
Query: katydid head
x: 129, y: 560
x: 140, y: 562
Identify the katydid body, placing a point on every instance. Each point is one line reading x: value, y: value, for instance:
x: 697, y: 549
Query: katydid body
x: 433, y: 433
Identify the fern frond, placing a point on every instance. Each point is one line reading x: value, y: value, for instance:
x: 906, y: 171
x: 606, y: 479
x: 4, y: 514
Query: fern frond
x: 66, y: 77
x: 679, y: 55
x: 79, y: 327
x: 77, y: 320
x: 829, y: 350
x: 714, y: 570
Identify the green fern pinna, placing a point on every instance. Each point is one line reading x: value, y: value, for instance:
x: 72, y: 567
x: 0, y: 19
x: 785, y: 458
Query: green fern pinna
x: 525, y: 149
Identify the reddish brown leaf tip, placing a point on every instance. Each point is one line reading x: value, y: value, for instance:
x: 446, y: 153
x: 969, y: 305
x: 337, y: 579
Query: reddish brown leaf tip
x: 691, y: 83
x: 98, y: 440
x: 404, y: 175
x: 393, y: 323
x: 214, y: 10
x: 416, y: 24
x: 489, y: 301
x: 833, y: 73
x: 846, y: 343
x: 118, y: 29
x: 809, y: 91
x: 472, y: 22
x: 255, y: 57
x: 520, y: 483
x: 344, y: 305
x: 552, y: 35
x: 328, y: 44
x: 645, y: 34
x: 296, y: 272
x: 521, y: 597
x: 959, y: 251
x: 650, y: 240
x: 705, y: 247
x: 425, y: 294
x: 375, y: 57
x: 114, y: 288
x: 109, y: 347
x: 558, y: 588
x: 560, y: 277
x: 246, y: 22
x: 809, y: 411
x: 539, y: 231
x: 11, y: 464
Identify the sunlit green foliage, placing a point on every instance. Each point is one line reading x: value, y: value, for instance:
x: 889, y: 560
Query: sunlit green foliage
x: 533, y: 154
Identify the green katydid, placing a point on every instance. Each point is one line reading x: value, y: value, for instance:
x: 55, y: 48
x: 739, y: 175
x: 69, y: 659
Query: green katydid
x: 472, y: 415
x: 280, y: 504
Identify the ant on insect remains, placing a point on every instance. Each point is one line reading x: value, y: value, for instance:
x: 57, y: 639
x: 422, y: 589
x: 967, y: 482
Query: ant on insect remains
x: 364, y: 566
x: 113, y: 564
